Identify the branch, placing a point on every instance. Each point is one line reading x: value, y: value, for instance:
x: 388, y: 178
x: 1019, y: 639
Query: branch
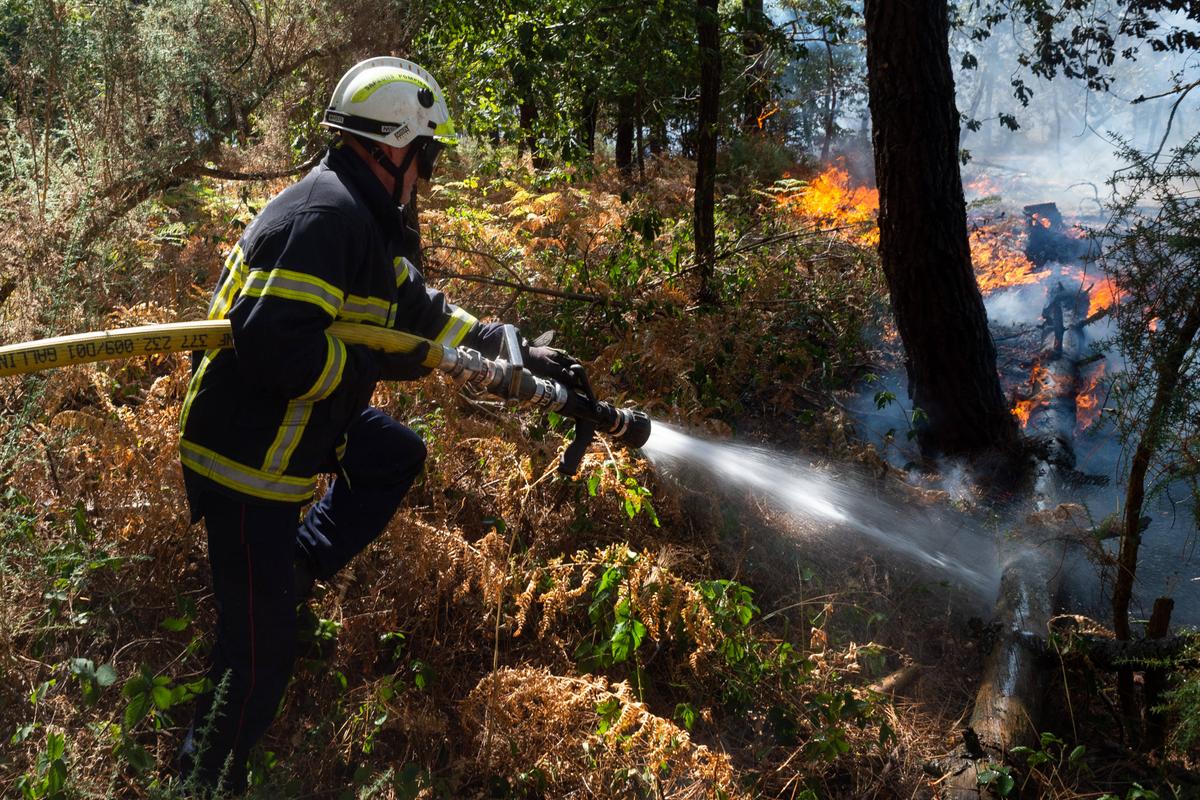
x: 229, y: 175
x: 1175, y: 90
x: 517, y: 284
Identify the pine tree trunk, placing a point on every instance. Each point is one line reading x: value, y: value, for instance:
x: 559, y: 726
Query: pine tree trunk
x: 923, y: 232
x: 588, y: 115
x: 708, y: 36
x: 757, y: 94
x: 625, y: 118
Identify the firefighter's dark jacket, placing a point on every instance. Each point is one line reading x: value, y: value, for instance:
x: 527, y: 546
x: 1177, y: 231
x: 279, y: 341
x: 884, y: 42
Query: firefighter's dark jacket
x: 260, y: 421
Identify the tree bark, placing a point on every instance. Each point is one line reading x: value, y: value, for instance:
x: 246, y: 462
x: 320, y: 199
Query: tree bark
x: 624, y: 148
x: 708, y: 36
x: 757, y: 93
x: 588, y: 115
x: 923, y: 233
x: 831, y: 98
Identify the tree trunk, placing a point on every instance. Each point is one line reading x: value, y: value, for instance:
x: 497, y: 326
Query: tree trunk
x: 757, y: 94
x: 588, y: 115
x: 708, y: 36
x: 1168, y: 372
x: 923, y: 233
x: 658, y: 137
x: 625, y: 118
x: 831, y: 98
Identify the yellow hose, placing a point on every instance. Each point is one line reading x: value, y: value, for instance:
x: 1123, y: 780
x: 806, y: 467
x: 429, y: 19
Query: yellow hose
x: 173, y: 337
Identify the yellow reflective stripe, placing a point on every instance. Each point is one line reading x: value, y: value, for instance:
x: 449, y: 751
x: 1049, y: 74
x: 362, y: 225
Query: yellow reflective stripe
x: 291, y: 285
x: 445, y: 132
x: 235, y: 276
x: 254, y: 482
x: 331, y: 374
x: 402, y: 267
x: 295, y: 419
x: 365, y: 309
x: 194, y: 388
x: 456, y: 328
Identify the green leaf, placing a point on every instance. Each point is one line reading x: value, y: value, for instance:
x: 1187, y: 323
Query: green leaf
x: 1077, y: 753
x: 685, y: 713
x: 106, y: 675
x: 163, y: 697
x: 56, y: 745
x: 135, y: 756
x: 139, y: 706
x: 593, y: 483
x: 174, y: 624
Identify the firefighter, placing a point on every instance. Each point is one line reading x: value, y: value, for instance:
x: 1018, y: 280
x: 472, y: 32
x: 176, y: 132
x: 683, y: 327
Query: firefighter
x: 290, y: 401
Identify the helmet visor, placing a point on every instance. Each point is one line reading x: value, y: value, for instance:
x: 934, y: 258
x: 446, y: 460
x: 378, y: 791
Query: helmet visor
x: 427, y: 157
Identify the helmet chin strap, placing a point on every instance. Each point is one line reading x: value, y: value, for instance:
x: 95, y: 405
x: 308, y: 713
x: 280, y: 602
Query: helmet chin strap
x: 397, y: 172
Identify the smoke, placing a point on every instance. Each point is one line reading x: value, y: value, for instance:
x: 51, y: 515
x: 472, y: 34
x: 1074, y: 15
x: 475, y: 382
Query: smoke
x: 1064, y: 149
x: 1020, y: 305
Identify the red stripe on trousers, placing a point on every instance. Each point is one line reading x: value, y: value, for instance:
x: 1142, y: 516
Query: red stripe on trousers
x: 253, y: 670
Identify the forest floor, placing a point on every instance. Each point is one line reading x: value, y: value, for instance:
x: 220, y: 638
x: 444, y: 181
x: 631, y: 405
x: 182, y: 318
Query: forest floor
x: 512, y: 633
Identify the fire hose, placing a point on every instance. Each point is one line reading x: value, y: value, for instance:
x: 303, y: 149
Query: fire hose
x: 505, y: 377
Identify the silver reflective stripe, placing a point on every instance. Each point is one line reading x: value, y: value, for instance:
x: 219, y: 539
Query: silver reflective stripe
x: 293, y: 286
x: 403, y: 268
x: 331, y: 376
x: 290, y: 431
x: 365, y: 309
x: 228, y: 472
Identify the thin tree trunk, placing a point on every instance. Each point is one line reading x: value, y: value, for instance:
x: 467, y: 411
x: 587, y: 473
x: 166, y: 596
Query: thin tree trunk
x: 1169, y: 374
x: 830, y: 102
x: 708, y: 37
x: 658, y: 137
x: 757, y: 96
x: 587, y: 122
x: 923, y: 233
x: 625, y: 117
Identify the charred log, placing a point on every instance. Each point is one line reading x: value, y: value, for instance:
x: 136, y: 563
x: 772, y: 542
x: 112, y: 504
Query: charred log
x: 1048, y: 238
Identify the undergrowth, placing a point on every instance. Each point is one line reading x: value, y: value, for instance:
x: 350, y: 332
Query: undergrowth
x: 513, y: 633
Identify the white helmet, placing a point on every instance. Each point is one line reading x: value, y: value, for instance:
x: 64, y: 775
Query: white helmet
x: 391, y: 101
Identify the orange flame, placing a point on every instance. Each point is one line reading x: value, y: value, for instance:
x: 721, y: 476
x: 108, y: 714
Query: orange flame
x: 1102, y: 292
x: 829, y: 199
x: 997, y: 263
x: 983, y: 186
x: 1087, y: 402
x: 1024, y: 408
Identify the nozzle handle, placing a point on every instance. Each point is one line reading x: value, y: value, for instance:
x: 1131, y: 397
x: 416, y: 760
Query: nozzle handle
x: 585, y: 434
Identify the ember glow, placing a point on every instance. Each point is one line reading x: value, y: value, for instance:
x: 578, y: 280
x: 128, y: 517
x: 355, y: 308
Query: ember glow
x: 830, y: 200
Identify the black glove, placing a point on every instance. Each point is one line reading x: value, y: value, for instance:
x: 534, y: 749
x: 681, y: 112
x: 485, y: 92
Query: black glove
x: 550, y: 362
x: 403, y: 366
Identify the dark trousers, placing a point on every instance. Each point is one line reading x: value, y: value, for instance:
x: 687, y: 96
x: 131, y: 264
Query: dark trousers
x: 253, y: 551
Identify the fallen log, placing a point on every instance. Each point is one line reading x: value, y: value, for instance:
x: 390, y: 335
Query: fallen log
x: 898, y: 681
x: 1007, y: 707
x: 1009, y: 701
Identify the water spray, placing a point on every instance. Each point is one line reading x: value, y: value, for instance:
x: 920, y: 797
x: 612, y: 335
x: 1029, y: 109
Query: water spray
x: 949, y: 551
x: 505, y: 376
